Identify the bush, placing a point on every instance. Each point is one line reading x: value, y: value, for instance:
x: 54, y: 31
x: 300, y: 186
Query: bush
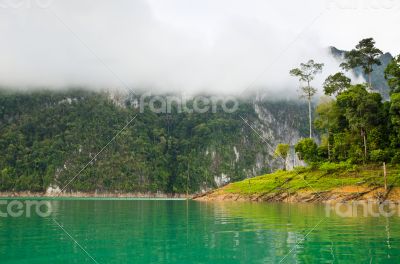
x: 330, y: 167
x: 282, y: 150
x: 6, y: 182
x: 323, y: 152
x: 307, y: 150
x: 379, y: 155
x: 356, y: 154
x: 396, y: 157
x: 301, y: 169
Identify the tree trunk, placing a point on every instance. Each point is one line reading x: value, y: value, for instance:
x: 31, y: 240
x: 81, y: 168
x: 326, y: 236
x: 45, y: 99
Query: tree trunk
x: 370, y: 80
x: 365, y: 147
x: 309, y: 115
x: 363, y: 134
x: 329, y: 147
x: 309, y: 106
x: 384, y: 175
x: 284, y: 162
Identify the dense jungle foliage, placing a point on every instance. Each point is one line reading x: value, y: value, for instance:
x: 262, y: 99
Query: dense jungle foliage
x: 47, y: 138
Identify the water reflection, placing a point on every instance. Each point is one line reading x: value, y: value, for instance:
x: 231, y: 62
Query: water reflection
x: 122, y: 231
x: 335, y: 239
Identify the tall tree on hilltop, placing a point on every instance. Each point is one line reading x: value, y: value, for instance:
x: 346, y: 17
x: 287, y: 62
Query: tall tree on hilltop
x: 306, y: 73
x: 365, y: 55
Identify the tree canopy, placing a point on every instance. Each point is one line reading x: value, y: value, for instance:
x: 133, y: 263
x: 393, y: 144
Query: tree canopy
x: 336, y: 83
x: 365, y: 55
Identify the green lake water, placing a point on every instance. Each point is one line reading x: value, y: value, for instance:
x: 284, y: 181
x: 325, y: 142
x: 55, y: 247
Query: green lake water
x: 180, y: 231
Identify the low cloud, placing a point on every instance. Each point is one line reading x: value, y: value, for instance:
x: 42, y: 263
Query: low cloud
x: 144, y: 45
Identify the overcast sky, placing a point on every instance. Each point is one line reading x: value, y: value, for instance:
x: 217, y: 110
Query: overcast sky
x: 185, y: 45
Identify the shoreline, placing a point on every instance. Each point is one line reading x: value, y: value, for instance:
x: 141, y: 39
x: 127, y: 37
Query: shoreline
x: 138, y: 195
x: 337, y: 195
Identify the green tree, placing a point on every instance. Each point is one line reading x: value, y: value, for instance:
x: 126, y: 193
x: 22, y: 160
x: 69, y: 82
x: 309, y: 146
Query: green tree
x: 6, y: 182
x: 392, y: 75
x: 282, y: 151
x: 336, y: 83
x: 379, y: 155
x: 341, y: 145
x: 307, y: 150
x: 395, y: 109
x: 365, y: 55
x: 326, y: 119
x: 306, y: 73
x: 394, y: 113
x: 361, y: 109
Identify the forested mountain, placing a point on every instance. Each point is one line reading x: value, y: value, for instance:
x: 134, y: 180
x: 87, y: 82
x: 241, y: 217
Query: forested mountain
x: 81, y: 140
x: 47, y: 138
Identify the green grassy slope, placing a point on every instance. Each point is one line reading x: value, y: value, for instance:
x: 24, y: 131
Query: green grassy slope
x: 316, y: 180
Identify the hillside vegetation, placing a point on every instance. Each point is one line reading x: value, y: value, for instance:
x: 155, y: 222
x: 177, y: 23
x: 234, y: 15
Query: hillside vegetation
x: 47, y: 137
x: 328, y: 182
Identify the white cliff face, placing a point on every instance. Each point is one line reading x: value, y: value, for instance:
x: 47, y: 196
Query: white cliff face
x: 53, y: 189
x: 221, y: 180
x: 236, y: 154
x: 67, y: 100
x: 292, y: 160
x: 118, y: 97
x: 275, y: 130
x: 135, y: 103
x: 259, y: 161
x: 272, y: 125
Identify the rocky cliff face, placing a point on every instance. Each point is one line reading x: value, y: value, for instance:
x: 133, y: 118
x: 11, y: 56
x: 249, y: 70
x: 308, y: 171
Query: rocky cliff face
x: 285, y: 125
x: 243, y: 147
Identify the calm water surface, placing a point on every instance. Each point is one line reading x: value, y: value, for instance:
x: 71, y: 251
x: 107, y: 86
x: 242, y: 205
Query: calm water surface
x: 162, y: 231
